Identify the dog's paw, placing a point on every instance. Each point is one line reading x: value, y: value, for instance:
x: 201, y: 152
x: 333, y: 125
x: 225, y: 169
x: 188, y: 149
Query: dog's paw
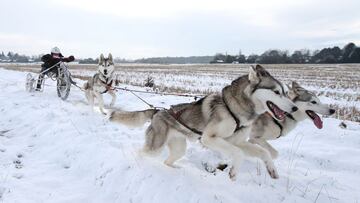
x: 232, y: 174
x: 103, y: 112
x: 272, y: 172
x: 170, y: 164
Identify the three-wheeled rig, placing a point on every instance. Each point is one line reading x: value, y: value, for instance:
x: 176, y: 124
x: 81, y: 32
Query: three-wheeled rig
x: 61, y: 76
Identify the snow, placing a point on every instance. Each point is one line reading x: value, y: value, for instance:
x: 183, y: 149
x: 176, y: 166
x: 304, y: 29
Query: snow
x: 63, y: 151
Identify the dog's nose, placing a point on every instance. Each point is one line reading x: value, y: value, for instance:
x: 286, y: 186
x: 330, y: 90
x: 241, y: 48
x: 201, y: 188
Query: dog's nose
x: 105, y: 72
x: 294, y: 108
x: 332, y: 111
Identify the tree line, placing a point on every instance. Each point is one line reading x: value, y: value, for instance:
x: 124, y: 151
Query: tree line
x: 350, y: 53
x: 12, y: 57
x: 20, y: 58
x: 175, y: 60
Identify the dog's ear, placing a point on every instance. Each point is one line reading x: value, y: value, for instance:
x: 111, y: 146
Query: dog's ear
x: 288, y: 88
x: 253, y: 76
x: 295, y: 85
x: 110, y: 57
x: 101, y: 59
x: 292, y: 94
x: 261, y: 71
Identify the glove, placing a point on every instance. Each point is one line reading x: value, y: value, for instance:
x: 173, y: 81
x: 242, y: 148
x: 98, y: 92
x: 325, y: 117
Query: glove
x: 71, y: 58
x: 68, y: 59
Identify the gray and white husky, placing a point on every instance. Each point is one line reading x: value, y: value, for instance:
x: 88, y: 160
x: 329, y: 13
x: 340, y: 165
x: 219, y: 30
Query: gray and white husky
x: 221, y: 121
x: 266, y: 128
x: 102, y: 82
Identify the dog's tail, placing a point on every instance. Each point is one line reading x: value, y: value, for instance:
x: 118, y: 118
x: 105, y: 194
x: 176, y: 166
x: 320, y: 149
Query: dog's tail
x: 132, y: 118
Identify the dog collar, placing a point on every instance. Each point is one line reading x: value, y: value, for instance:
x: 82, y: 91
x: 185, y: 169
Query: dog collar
x: 108, y: 83
x: 279, y: 125
x: 290, y: 116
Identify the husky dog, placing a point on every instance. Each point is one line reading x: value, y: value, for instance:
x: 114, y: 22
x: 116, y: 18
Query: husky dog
x: 101, y: 83
x: 220, y: 121
x: 266, y: 128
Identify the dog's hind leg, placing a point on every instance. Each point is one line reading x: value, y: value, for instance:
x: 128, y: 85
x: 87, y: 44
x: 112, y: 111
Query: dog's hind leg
x: 156, y: 136
x: 113, y: 95
x: 261, y: 153
x: 274, y: 153
x: 87, y: 96
x: 177, y: 149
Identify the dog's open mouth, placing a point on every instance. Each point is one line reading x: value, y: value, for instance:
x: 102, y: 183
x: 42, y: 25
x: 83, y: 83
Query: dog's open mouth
x: 277, y: 112
x: 316, y: 119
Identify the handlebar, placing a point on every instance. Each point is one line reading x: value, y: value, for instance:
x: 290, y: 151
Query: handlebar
x: 60, y: 62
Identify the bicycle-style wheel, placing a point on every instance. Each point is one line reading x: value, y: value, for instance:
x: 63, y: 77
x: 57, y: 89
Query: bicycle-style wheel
x: 30, y: 83
x: 63, y: 84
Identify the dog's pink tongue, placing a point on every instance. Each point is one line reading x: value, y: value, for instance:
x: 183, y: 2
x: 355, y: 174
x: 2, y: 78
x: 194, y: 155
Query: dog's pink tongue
x: 317, y: 121
x: 280, y: 114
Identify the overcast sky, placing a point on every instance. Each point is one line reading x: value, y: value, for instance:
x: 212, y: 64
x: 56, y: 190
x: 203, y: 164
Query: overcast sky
x: 145, y: 28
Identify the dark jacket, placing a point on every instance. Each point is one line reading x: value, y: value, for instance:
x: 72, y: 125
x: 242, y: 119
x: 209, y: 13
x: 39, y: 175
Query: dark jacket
x: 49, y: 60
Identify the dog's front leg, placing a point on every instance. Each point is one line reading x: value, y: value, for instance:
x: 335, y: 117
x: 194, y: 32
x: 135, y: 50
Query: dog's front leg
x: 112, y: 93
x: 262, y: 142
x: 214, y: 136
x: 101, y: 102
x: 90, y: 98
x: 254, y: 150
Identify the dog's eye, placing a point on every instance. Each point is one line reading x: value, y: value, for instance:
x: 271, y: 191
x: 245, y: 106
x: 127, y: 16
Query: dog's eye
x: 314, y: 102
x: 277, y: 92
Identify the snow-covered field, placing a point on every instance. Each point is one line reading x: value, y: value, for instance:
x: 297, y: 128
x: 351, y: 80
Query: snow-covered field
x: 337, y: 84
x: 62, y: 151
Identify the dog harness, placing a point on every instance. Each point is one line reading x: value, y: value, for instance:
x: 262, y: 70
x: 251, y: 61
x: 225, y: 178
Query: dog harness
x: 107, y: 83
x: 177, y: 115
x: 237, y: 121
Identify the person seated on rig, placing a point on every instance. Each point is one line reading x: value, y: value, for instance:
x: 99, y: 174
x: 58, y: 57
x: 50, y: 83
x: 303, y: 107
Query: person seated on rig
x: 51, y: 60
